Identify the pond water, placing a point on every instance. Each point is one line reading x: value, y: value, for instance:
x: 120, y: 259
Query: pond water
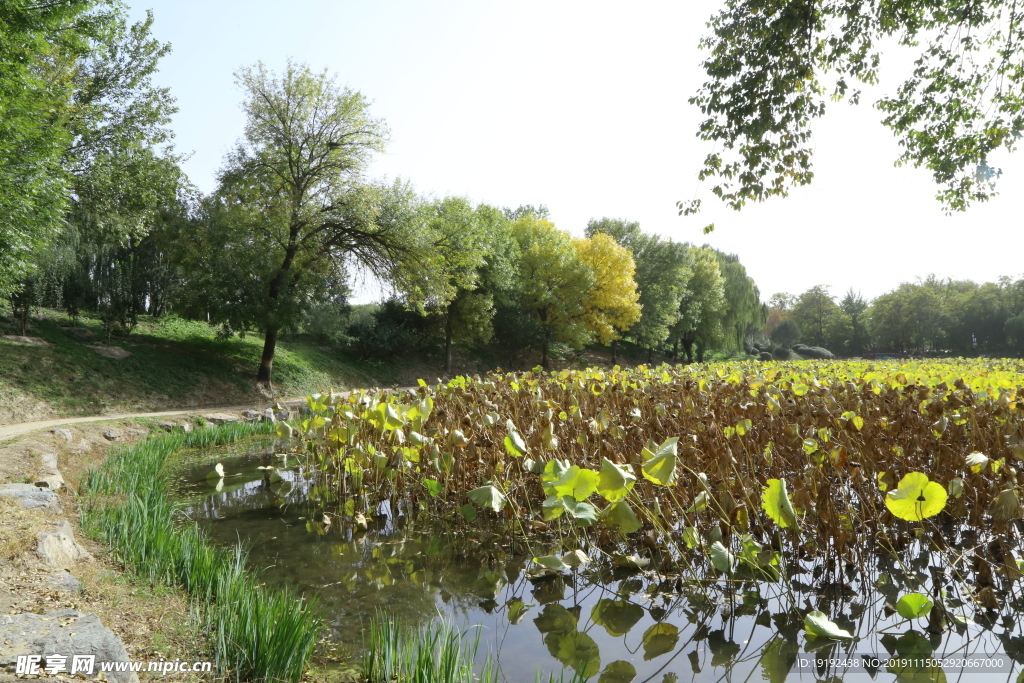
x: 617, y: 624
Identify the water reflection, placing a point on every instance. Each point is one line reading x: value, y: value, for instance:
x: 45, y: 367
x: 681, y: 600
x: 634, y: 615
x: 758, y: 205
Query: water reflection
x: 617, y: 624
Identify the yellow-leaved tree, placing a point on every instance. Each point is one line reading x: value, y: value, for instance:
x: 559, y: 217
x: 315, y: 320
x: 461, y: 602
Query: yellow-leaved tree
x: 611, y: 305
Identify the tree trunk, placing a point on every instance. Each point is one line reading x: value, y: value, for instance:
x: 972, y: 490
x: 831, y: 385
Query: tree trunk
x: 614, y: 349
x: 448, y: 340
x: 544, y: 355
x: 267, y: 360
x: 688, y: 350
x: 650, y: 354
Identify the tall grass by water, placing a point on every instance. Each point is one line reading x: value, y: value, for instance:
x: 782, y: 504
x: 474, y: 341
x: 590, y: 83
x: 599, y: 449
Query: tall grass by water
x: 256, y: 633
x: 435, y: 653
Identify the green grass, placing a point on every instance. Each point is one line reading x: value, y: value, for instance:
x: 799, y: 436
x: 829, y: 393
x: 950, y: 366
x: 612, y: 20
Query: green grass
x: 174, y: 363
x: 435, y: 653
x: 255, y: 633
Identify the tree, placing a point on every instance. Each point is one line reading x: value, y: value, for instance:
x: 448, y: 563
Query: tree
x: 610, y: 306
x: 79, y: 130
x: 815, y: 311
x: 662, y: 270
x: 700, y: 308
x: 786, y: 333
x: 964, y: 100
x: 743, y: 314
x: 554, y: 282
x: 445, y: 280
x: 291, y: 212
x: 854, y: 306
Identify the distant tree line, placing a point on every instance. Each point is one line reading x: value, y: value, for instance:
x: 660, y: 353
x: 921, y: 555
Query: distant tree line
x: 930, y: 316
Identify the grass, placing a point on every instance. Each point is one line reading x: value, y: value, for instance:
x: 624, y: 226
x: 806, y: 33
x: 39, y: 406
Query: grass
x: 173, y: 363
x: 255, y: 633
x: 436, y: 653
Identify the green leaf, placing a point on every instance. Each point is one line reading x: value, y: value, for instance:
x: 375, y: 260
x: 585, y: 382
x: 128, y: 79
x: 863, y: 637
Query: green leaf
x: 516, y: 610
x: 721, y: 558
x: 659, y: 639
x: 576, y: 650
x: 488, y: 497
x: 621, y: 516
x: 585, y: 514
x: 555, y: 619
x: 433, y: 487
x: 552, y: 562
x: 775, y: 501
x: 817, y: 624
x: 916, y: 498
x: 515, y: 445
x: 617, y: 617
x: 468, y: 512
x: 619, y: 671
x: 552, y: 508
x: 913, y: 605
x: 614, y: 481
x: 660, y: 464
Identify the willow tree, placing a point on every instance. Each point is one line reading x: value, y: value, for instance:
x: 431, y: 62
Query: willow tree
x: 292, y: 206
x: 773, y: 66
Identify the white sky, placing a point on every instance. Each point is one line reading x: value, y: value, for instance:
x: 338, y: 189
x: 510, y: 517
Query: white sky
x: 582, y: 106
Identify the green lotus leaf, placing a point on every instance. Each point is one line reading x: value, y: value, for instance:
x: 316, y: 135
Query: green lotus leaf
x: 621, y: 516
x: 916, y: 498
x: 659, y: 639
x: 913, y: 605
x: 489, y: 496
x: 660, y: 462
x: 619, y: 671
x: 616, y: 616
x: 775, y: 501
x: 614, y: 481
x: 817, y: 624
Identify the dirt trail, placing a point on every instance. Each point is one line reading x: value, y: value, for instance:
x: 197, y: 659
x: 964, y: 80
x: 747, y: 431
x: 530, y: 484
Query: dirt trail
x: 7, y: 431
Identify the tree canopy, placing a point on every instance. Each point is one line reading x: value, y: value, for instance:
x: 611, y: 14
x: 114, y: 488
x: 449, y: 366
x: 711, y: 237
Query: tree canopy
x: 767, y: 66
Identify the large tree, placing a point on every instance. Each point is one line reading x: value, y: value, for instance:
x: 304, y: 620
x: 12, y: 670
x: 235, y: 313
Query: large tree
x: 611, y: 305
x: 553, y: 282
x: 701, y: 307
x: 766, y: 65
x: 292, y: 207
x: 81, y: 130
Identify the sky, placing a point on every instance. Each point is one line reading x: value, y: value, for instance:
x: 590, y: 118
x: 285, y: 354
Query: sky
x: 582, y: 107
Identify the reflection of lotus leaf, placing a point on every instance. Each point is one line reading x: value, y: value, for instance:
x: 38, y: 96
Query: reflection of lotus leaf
x: 910, y: 646
x: 618, y: 672
x: 777, y: 658
x: 555, y: 619
x: 549, y: 590
x: 616, y: 616
x: 659, y: 639
x: 723, y: 651
x: 577, y: 650
x: 516, y: 610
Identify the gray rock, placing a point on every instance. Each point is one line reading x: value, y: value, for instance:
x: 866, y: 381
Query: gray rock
x: 268, y: 415
x: 764, y: 355
x: 59, y: 548
x: 67, y: 632
x: 136, y: 432
x: 251, y: 415
x: 32, y: 496
x: 220, y: 418
x: 113, y: 434
x: 64, y: 434
x: 49, y: 461
x: 63, y: 581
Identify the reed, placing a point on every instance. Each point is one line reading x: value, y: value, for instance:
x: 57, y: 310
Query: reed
x: 256, y: 633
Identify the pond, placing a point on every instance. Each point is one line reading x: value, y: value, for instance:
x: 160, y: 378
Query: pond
x: 613, y: 623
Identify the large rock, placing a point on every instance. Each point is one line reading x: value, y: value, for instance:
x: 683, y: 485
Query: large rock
x: 68, y: 633
x: 32, y: 496
x: 220, y: 418
x: 63, y: 581
x: 64, y: 434
x: 59, y: 548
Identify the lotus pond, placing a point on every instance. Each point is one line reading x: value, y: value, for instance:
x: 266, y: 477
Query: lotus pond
x: 720, y: 523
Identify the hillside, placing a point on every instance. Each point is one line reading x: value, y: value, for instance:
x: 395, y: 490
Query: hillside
x: 58, y: 369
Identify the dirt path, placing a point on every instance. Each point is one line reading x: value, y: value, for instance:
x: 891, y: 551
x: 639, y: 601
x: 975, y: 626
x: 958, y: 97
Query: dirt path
x: 10, y: 430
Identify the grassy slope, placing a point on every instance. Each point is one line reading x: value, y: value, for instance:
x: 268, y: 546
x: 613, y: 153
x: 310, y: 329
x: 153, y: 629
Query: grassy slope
x: 173, y: 363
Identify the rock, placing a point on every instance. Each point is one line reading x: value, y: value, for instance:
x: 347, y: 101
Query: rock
x: 220, y: 418
x: 50, y: 480
x: 815, y: 352
x: 135, y: 432
x: 115, y: 352
x: 63, y: 581
x: 764, y: 355
x: 31, y: 496
x: 64, y: 434
x: 67, y: 632
x: 251, y: 415
x: 113, y: 434
x: 59, y: 549
x: 48, y: 461
x: 268, y: 415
